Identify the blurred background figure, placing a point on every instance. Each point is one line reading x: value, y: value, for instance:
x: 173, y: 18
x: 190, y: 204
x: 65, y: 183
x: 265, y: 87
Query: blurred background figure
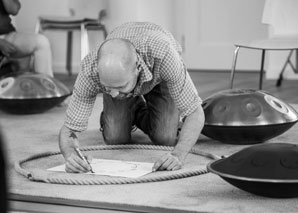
x: 18, y: 47
x: 3, y: 186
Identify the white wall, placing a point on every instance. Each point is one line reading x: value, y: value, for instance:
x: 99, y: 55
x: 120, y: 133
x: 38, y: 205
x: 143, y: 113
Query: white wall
x: 157, y: 11
x: 210, y: 29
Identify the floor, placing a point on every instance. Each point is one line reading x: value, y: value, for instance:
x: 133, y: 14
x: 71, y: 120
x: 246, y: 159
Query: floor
x: 207, y: 83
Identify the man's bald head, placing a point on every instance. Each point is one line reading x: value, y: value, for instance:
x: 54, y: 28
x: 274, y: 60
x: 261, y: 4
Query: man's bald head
x: 116, y: 60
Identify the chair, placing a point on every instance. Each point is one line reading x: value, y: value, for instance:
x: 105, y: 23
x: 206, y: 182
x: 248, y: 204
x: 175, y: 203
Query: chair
x: 71, y: 24
x: 2, y: 59
x: 279, y: 13
x: 5, y: 67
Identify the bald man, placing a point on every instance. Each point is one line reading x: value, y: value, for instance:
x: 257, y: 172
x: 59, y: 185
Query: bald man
x: 145, y: 83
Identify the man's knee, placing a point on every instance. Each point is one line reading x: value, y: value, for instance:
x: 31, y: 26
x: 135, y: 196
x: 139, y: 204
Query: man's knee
x: 42, y: 41
x: 113, y: 132
x: 114, y: 139
x: 164, y: 138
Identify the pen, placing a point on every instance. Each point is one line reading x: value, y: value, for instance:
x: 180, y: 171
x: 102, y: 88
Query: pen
x: 83, y: 158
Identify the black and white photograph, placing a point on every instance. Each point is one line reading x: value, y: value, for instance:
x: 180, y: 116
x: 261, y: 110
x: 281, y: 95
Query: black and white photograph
x: 148, y: 106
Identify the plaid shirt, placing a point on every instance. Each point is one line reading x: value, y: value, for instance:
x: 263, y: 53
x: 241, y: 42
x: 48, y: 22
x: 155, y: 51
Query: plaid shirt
x: 158, y: 60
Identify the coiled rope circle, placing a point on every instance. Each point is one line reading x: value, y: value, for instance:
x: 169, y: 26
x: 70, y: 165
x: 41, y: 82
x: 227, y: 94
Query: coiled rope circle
x: 113, y: 180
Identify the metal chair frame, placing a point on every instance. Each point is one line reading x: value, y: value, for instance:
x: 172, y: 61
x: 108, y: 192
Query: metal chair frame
x: 264, y: 45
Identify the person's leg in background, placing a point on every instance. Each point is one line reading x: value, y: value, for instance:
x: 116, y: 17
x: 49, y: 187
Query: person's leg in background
x: 159, y: 118
x: 3, y: 182
x: 34, y: 45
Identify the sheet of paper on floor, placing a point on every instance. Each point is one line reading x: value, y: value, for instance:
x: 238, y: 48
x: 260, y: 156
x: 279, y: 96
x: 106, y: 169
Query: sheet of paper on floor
x: 129, y: 169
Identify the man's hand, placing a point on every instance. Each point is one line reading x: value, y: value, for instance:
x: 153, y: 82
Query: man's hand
x: 74, y: 164
x: 189, y: 135
x: 68, y: 141
x: 167, y: 162
x: 7, y: 48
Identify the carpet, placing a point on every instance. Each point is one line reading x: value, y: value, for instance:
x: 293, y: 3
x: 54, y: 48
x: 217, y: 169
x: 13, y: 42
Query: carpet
x: 27, y: 135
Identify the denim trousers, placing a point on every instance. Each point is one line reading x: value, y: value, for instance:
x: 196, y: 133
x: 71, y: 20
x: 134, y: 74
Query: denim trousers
x: 155, y: 113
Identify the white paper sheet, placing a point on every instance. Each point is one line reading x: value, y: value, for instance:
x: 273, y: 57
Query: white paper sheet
x: 130, y: 169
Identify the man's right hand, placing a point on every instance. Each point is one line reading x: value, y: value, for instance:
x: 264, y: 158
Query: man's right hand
x: 74, y: 164
x: 68, y: 141
x: 7, y: 48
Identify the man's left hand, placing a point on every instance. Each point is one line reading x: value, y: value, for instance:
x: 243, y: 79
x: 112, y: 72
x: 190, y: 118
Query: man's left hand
x: 167, y: 162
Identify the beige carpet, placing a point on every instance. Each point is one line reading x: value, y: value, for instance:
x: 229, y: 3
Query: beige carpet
x: 26, y: 135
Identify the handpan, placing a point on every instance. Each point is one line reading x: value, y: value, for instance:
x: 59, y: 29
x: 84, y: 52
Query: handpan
x: 269, y: 169
x: 28, y: 93
x: 246, y: 116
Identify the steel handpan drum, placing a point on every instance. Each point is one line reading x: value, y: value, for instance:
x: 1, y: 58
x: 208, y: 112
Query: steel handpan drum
x: 246, y: 116
x: 269, y: 169
x: 28, y: 93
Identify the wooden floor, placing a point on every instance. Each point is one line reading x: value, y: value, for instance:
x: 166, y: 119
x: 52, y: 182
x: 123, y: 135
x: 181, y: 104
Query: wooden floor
x: 209, y: 82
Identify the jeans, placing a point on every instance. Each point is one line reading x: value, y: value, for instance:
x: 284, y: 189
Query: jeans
x: 155, y: 114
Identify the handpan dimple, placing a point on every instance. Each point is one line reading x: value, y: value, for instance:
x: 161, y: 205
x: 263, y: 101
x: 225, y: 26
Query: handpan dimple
x: 26, y: 85
x: 48, y: 84
x: 246, y: 116
x: 6, y: 84
x: 290, y: 162
x: 222, y: 108
x: 251, y: 107
x: 261, y: 162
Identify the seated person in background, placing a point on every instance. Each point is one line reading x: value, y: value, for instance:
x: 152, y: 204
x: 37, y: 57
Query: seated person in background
x: 3, y: 181
x: 145, y: 83
x: 19, y: 47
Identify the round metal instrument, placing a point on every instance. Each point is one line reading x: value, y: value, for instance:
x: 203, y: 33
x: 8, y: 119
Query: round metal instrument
x: 246, y: 116
x: 27, y: 93
x: 269, y: 170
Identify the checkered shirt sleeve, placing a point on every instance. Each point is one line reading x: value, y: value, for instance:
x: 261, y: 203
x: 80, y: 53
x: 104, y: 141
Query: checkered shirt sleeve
x: 181, y: 87
x: 84, y: 95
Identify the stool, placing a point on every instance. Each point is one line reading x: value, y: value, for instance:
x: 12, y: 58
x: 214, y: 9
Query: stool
x: 2, y: 58
x: 71, y: 24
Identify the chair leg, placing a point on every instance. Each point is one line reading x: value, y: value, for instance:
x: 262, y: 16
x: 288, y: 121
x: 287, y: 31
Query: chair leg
x: 262, y: 69
x: 2, y: 59
x: 37, y: 26
x: 234, y: 66
x: 84, y: 41
x: 69, y: 53
x: 296, y: 61
x: 288, y: 61
x: 105, y: 32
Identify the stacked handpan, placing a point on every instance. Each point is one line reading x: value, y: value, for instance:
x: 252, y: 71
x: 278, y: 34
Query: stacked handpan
x: 269, y: 170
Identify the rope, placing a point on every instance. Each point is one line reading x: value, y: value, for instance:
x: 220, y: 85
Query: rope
x: 114, y: 180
